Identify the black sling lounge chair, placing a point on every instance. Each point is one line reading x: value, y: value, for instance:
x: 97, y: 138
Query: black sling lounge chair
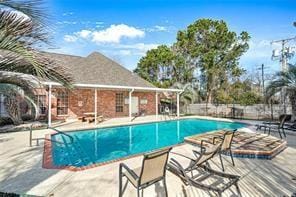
x: 265, y: 125
x: 205, y: 178
x: 226, y: 141
x: 280, y: 128
x: 152, y: 171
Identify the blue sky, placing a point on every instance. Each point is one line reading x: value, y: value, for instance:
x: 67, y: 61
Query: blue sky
x: 125, y: 29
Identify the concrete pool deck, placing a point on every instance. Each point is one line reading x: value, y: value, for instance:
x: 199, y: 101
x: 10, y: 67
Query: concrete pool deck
x: 21, y: 171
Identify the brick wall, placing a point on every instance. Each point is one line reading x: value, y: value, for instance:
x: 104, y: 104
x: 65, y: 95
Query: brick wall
x: 82, y: 100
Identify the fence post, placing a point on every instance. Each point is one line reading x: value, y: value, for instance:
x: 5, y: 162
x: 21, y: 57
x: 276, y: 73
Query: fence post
x: 31, y: 128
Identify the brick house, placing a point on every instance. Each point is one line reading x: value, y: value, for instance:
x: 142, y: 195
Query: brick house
x: 101, y: 87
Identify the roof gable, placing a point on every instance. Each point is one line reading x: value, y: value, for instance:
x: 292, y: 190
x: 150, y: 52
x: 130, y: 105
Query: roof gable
x: 99, y: 69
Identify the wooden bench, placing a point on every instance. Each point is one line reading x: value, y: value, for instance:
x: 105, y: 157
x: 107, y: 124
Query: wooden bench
x: 91, y: 119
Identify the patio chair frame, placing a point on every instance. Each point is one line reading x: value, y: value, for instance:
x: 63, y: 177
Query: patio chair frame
x: 140, y: 186
x: 278, y: 126
x: 176, y: 168
x: 195, y: 162
x: 227, y: 149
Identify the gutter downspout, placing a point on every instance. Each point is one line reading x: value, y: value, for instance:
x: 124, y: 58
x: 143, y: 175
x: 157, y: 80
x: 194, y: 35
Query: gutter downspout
x: 130, y: 104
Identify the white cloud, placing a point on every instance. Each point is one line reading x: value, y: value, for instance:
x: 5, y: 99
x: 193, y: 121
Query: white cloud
x: 139, y: 48
x: 115, y: 33
x: 159, y: 28
x: 125, y: 52
x: 68, y: 13
x: 83, y: 33
x: 66, y: 22
x: 261, y: 49
x: 112, y: 34
x: 70, y: 38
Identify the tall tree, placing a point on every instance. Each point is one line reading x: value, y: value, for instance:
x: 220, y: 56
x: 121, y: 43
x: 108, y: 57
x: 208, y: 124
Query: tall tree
x: 216, y: 51
x: 160, y: 66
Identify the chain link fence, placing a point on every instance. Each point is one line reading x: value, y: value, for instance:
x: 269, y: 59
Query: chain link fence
x: 255, y: 112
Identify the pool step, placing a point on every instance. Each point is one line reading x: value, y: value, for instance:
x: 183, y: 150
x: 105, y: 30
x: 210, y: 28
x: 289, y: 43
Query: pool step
x: 86, y: 158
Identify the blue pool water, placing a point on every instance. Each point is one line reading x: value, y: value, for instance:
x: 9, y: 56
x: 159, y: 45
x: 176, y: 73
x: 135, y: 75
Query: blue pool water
x: 105, y: 144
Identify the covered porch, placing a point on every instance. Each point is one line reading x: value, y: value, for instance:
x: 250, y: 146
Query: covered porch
x: 109, y: 100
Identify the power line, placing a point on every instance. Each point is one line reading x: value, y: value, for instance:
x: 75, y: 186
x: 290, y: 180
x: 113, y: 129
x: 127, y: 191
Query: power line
x: 286, y: 52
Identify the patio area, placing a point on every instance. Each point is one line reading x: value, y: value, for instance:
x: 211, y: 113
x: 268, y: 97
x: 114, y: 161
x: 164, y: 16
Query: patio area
x: 21, y: 170
x: 245, y: 144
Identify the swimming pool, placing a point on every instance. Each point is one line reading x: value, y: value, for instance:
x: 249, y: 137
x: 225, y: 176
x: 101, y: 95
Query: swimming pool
x: 106, y: 144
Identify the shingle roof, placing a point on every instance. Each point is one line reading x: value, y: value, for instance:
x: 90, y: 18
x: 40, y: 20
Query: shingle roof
x: 98, y: 69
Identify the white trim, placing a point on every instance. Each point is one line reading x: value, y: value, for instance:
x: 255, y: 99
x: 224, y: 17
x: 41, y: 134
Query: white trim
x: 49, y: 105
x: 117, y: 87
x: 130, y: 104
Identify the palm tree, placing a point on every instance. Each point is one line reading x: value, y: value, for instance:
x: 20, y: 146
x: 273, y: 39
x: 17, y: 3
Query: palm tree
x: 188, y: 96
x: 23, y: 30
x: 285, y: 80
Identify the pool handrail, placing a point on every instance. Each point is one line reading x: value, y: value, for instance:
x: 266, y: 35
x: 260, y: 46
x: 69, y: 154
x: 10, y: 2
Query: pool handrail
x: 38, y: 139
x: 63, y: 133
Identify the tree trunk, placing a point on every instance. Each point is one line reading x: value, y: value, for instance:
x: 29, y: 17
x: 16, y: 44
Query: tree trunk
x: 208, y: 99
x: 13, y: 109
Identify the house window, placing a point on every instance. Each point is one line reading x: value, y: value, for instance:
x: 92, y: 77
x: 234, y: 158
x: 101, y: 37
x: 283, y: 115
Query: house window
x: 119, y: 102
x: 62, y: 103
x: 41, y: 102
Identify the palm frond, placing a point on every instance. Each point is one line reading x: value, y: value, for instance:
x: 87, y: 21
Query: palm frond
x: 33, y: 9
x: 17, y: 55
x: 19, y: 34
x: 36, y: 64
x: 18, y: 80
x: 20, y: 85
x: 282, y: 80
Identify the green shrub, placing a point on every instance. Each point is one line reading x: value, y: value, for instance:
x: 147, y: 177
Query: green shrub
x: 5, y: 121
x: 8, y: 194
x: 27, y: 117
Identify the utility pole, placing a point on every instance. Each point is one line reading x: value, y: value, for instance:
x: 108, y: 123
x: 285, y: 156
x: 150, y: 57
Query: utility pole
x: 262, y: 75
x: 285, y: 54
x: 262, y: 67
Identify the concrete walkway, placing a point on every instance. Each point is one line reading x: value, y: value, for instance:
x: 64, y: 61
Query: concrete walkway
x: 21, y: 172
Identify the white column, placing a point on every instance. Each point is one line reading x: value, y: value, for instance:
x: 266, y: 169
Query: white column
x: 178, y: 105
x: 130, y: 104
x: 49, y: 105
x: 156, y: 105
x: 96, y: 107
